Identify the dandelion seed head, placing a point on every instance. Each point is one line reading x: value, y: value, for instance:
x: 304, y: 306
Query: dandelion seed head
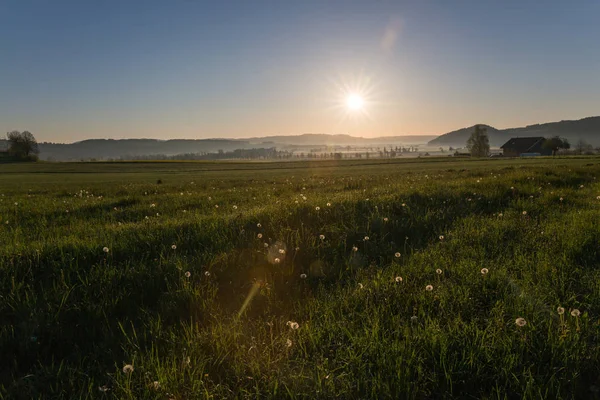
x: 277, y: 261
x: 105, y: 249
x: 188, y: 274
x: 288, y: 343
x: 354, y: 248
x: 484, y: 271
x: 438, y: 271
x: 206, y: 273
x: 560, y: 310
x: 322, y: 237
x: 520, y: 322
x: 398, y: 279
x: 366, y: 239
x: 128, y: 369
x: 302, y: 276
x: 397, y: 255
x: 174, y: 247
x: 575, y: 312
x: 441, y: 237
x: 429, y: 288
x: 293, y: 325
x: 317, y: 208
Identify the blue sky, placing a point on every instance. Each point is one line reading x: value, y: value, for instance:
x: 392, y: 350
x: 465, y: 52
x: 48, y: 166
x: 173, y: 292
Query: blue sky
x: 73, y: 70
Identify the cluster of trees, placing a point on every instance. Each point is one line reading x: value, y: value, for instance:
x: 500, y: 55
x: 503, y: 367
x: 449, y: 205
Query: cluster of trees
x: 479, y: 144
x: 22, y: 146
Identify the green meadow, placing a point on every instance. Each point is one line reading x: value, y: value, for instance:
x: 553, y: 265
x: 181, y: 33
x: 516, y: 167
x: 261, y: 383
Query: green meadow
x: 366, y: 279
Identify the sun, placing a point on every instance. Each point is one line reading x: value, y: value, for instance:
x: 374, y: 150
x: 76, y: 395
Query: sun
x: 354, y: 102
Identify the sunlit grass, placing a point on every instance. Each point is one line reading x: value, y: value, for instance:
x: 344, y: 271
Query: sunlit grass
x: 284, y: 282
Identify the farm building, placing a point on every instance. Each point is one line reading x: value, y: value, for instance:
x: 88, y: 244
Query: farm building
x: 525, y: 146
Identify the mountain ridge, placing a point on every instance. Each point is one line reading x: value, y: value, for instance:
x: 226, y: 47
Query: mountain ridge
x: 587, y: 129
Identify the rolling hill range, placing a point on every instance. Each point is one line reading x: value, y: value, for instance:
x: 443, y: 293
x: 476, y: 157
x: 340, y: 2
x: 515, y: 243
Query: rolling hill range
x: 587, y: 129
x: 102, y: 149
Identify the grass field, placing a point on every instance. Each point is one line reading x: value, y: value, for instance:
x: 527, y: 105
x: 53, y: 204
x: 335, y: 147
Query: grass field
x: 404, y: 279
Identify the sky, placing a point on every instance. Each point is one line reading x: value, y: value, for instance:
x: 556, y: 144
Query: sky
x: 77, y: 69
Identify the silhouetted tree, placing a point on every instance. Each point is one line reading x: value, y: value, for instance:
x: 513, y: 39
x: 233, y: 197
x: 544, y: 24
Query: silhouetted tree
x: 22, y: 145
x: 556, y: 143
x: 479, y: 143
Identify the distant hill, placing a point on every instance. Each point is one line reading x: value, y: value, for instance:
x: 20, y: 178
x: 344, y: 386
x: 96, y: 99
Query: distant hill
x: 102, y: 149
x: 587, y: 129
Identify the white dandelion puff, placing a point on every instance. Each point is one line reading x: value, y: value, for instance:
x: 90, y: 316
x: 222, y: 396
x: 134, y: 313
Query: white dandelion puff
x: 520, y: 322
x: 397, y: 255
x: 105, y: 249
x: 322, y: 237
x: 560, y: 310
x: 302, y: 276
x: 438, y: 271
x: 575, y: 312
x: 484, y: 271
x: 398, y: 279
x: 128, y: 368
x: 429, y: 288
x: 174, y: 247
x: 188, y: 274
x: 293, y: 325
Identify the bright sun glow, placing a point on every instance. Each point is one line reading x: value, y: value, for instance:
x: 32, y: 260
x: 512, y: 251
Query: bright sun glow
x: 354, y: 102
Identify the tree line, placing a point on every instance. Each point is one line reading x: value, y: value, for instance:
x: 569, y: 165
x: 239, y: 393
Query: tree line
x: 478, y: 144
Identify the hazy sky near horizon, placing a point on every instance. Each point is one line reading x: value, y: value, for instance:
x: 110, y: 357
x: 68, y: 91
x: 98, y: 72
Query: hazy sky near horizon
x: 79, y: 69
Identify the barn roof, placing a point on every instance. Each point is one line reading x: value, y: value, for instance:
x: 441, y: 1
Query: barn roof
x: 522, y: 144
